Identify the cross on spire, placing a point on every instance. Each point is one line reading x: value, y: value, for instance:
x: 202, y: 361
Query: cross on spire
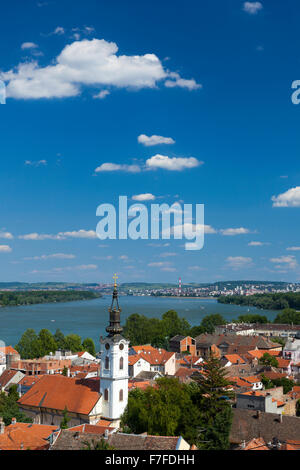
x: 115, y: 277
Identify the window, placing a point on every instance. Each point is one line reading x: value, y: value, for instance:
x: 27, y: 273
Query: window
x: 121, y: 395
x: 121, y: 363
x: 106, y: 394
x: 107, y: 362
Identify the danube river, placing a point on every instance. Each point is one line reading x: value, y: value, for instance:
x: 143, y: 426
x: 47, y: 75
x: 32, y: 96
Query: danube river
x: 88, y: 318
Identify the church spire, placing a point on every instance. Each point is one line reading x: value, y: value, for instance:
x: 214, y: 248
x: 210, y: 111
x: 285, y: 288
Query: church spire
x: 114, y: 327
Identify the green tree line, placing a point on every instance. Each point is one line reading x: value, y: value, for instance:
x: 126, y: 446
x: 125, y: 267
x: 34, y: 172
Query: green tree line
x: 42, y: 297
x: 33, y: 345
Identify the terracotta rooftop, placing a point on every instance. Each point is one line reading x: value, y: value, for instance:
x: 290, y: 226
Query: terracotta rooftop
x: 26, y: 436
x: 57, y: 392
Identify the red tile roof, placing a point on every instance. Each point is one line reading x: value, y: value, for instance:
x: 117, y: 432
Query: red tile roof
x: 153, y: 355
x: 26, y: 436
x: 57, y: 392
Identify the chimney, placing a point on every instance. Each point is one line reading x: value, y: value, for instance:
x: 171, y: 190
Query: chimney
x: 106, y: 434
x: 243, y: 444
x: 280, y: 418
x: 13, y: 421
x: 2, y: 426
x: 68, y: 373
x: 257, y: 414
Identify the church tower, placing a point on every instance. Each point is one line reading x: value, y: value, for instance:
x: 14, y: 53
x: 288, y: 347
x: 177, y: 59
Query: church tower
x: 114, y: 364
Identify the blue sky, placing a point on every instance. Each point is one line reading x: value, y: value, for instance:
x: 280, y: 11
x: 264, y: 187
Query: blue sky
x: 85, y: 79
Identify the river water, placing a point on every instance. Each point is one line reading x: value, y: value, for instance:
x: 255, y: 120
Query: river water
x: 89, y: 318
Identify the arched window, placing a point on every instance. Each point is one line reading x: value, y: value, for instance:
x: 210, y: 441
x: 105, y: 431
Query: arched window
x: 107, y: 362
x: 121, y: 395
x: 121, y: 363
x: 106, y: 394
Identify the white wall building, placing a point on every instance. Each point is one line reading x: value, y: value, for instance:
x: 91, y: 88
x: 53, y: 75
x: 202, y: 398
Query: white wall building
x: 114, y: 365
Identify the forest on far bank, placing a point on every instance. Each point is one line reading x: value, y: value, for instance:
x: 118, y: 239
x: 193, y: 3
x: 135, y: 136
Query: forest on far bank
x: 41, y: 297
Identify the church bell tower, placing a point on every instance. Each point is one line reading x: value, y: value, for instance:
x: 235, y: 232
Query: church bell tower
x: 114, y: 364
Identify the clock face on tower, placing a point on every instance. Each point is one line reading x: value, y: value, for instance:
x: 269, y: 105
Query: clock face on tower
x: 121, y: 346
x: 107, y: 346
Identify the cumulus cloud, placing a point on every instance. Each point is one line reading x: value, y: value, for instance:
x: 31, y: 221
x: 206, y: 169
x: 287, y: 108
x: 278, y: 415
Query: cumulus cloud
x: 6, y: 235
x: 35, y: 163
x: 29, y: 45
x: 286, y: 261
x: 154, y: 140
x: 252, y: 7
x: 60, y: 236
x: 189, y: 229
x: 105, y: 167
x: 256, y: 244
x: 177, y: 81
x: 101, y: 95
x: 87, y: 62
x: 237, y: 262
x: 5, y: 249
x: 172, y: 163
x: 290, y: 198
x: 234, y: 231
x: 143, y: 197
x: 293, y: 248
x: 52, y: 256
x: 159, y: 264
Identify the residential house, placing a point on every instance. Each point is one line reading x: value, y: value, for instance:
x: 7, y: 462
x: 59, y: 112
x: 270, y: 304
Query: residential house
x: 182, y: 344
x: 49, y: 396
x: 160, y: 360
x: 9, y: 378
x: 26, y: 436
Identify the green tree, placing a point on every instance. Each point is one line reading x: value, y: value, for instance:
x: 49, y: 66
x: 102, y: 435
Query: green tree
x: 252, y: 318
x: 209, y: 322
x: 65, y: 371
x: 89, y: 346
x: 29, y: 346
x: 73, y: 343
x: 65, y: 420
x: 59, y: 338
x: 47, y: 341
x: 268, y: 360
x: 173, y: 325
x: 166, y: 410
x: 212, y: 399
x: 9, y: 408
x: 288, y: 315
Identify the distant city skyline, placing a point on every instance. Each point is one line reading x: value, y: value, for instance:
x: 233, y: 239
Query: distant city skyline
x: 174, y: 104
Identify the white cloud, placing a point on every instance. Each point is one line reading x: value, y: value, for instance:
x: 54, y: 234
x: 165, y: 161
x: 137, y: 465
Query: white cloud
x: 60, y: 236
x: 102, y: 94
x: 286, y: 261
x: 93, y: 63
x: 53, y: 256
x: 36, y: 163
x: 117, y: 167
x: 124, y: 257
x: 234, y: 231
x: 172, y: 164
x: 189, y: 229
x: 38, y: 236
x: 195, y: 268
x: 293, y: 248
x: 168, y: 269
x: 290, y: 198
x: 252, y: 7
x: 159, y: 264
x: 29, y: 45
x: 78, y: 234
x: 5, y: 249
x: 59, y: 31
x: 154, y: 140
x: 167, y: 254
x: 6, y: 235
x: 143, y: 197
x: 237, y: 262
x: 177, y: 81
x: 256, y: 244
